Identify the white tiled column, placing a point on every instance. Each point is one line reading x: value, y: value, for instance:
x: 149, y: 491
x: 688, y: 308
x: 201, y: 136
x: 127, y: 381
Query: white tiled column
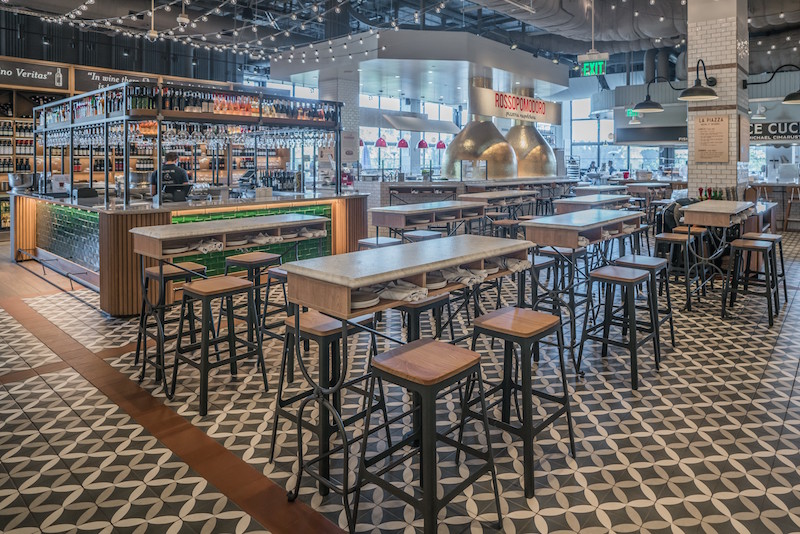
x: 718, y: 34
x: 344, y: 90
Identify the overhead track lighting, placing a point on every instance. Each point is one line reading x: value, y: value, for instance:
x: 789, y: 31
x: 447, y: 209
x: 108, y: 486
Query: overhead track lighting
x: 698, y: 92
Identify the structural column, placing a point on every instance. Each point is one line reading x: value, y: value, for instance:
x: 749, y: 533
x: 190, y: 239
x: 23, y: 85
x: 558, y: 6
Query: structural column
x: 718, y: 34
x: 345, y: 90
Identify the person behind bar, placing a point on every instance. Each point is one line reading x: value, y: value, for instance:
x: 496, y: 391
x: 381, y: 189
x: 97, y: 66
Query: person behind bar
x: 171, y: 174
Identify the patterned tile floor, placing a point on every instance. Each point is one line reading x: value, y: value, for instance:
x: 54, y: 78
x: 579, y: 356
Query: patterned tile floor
x: 707, y: 444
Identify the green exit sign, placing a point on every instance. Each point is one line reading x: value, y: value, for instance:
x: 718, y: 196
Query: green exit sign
x: 593, y: 68
x: 630, y: 113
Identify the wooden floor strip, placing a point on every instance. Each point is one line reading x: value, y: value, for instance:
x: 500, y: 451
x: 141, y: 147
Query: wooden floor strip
x: 248, y: 488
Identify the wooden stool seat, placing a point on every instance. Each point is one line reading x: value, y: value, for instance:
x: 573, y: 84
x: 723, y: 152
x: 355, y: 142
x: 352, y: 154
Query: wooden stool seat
x: 317, y: 324
x: 528, y: 217
x: 277, y: 272
x: 541, y: 262
x: 673, y: 238
x: 492, y: 214
x: 756, y: 236
x: 748, y: 244
x: 506, y: 222
x: 427, y: 301
x: 378, y: 242
x: 252, y: 259
x: 612, y: 273
x: 521, y: 322
x: 422, y: 235
x: 696, y: 230
x: 178, y: 270
x: 217, y: 286
x: 637, y: 261
x: 562, y: 251
x: 425, y: 361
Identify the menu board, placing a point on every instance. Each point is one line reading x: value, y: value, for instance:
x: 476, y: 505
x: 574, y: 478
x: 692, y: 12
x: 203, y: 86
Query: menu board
x: 33, y: 75
x: 711, y: 139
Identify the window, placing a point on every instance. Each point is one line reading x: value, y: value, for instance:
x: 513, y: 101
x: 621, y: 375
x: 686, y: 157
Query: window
x: 306, y: 92
x: 368, y: 101
x: 584, y: 132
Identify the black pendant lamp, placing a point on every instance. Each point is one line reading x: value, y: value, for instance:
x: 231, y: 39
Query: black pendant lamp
x: 792, y: 98
x: 698, y: 92
x: 649, y: 105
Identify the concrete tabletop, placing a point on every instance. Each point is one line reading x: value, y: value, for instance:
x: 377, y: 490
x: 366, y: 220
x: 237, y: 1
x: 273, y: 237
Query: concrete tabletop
x: 427, y: 207
x: 729, y: 207
x: 168, y: 232
x: 498, y: 195
x: 583, y: 220
x: 374, y: 266
x: 593, y: 199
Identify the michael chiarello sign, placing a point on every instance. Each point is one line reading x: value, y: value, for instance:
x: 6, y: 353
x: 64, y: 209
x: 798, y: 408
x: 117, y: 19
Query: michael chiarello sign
x: 775, y: 131
x: 493, y: 103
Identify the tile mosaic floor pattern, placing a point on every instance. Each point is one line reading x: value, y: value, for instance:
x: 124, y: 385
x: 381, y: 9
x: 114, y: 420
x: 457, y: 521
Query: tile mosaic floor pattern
x: 19, y: 349
x: 707, y: 444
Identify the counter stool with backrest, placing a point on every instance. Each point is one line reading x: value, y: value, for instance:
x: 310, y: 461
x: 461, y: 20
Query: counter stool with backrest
x: 743, y: 250
x: 667, y: 244
x: 525, y: 328
x: 326, y: 332
x: 659, y: 278
x: 611, y: 277
x: 777, y: 241
x: 205, y: 292
x: 426, y: 368
x: 179, y: 272
x: 505, y: 228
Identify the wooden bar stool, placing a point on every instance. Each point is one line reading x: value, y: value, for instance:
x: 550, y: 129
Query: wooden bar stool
x: 378, y: 242
x: 426, y: 368
x: 326, y: 332
x: 254, y: 263
x: 205, y: 292
x: 794, y: 196
x: 666, y: 246
x: 421, y: 235
x: 178, y: 272
x: 436, y: 306
x: 626, y: 279
x: 659, y: 278
x: 506, y: 228
x: 525, y: 328
x: 742, y: 249
x: 777, y: 241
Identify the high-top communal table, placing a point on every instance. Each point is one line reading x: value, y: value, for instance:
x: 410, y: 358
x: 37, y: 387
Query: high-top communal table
x: 720, y: 217
x: 449, y: 213
x: 513, y: 199
x: 572, y: 231
x: 161, y: 243
x: 599, y: 190
x: 326, y: 284
x: 585, y: 202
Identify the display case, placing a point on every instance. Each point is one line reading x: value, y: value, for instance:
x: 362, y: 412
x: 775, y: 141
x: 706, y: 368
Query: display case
x: 223, y: 137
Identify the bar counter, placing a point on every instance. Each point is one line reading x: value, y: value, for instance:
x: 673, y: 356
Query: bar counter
x: 92, y: 245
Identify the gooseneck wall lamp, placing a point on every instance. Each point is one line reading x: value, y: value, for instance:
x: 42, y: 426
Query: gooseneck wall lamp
x: 791, y: 98
x: 698, y: 92
x: 649, y: 105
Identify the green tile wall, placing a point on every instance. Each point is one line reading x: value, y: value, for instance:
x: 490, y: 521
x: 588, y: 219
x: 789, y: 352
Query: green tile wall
x: 69, y: 232
x: 215, y: 261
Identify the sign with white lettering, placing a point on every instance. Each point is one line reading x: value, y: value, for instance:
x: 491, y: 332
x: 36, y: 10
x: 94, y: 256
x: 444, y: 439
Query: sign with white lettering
x: 492, y: 103
x: 34, y: 75
x: 711, y: 139
x: 775, y: 131
x: 593, y: 68
x: 90, y: 79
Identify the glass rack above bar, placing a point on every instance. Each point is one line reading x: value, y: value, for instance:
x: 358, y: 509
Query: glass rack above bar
x: 177, y: 103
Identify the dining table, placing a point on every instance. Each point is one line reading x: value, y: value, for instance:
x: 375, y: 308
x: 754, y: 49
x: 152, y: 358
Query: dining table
x: 451, y: 214
x: 326, y: 285
x: 580, y: 203
x: 599, y: 190
x: 575, y: 230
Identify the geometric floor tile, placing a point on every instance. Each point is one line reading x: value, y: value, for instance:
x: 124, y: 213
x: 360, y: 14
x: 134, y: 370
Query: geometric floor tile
x: 708, y: 443
x: 19, y: 349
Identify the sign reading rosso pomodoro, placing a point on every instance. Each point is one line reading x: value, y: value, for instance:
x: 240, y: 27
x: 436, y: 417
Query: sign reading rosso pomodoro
x: 510, y: 106
x: 775, y: 131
